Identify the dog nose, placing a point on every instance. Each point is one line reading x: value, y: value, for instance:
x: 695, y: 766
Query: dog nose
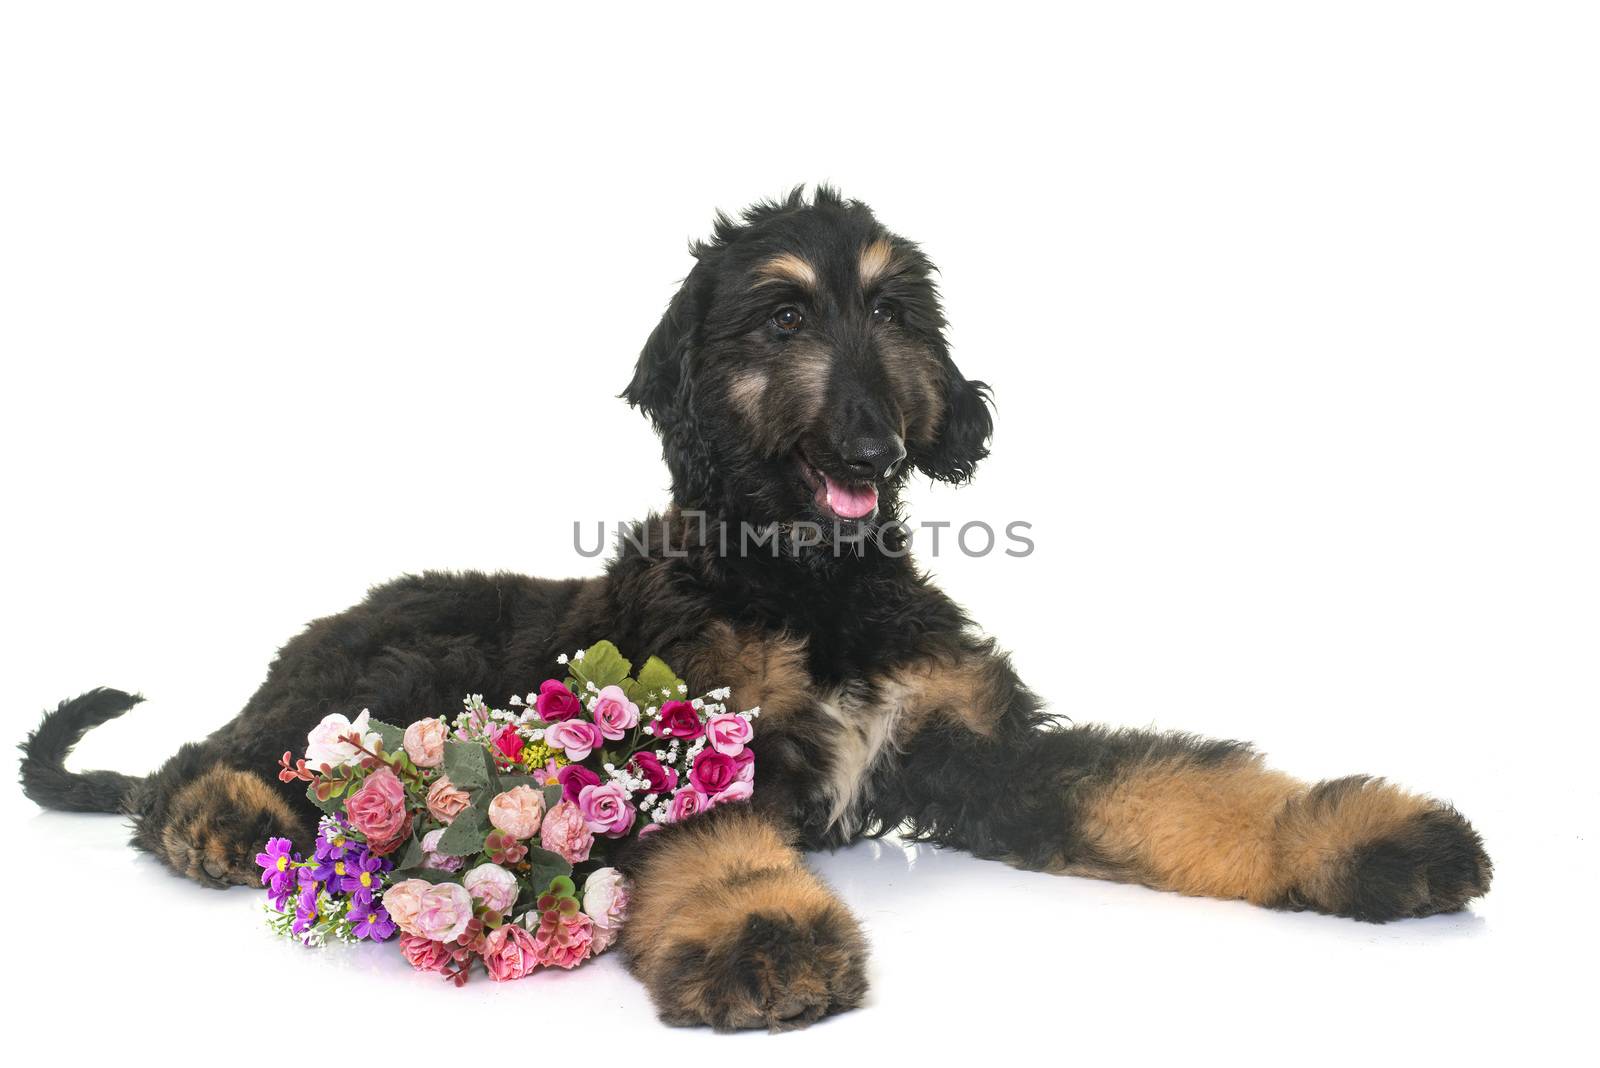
x: 873, y: 457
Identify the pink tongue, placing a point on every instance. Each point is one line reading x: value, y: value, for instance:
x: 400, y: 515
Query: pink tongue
x: 851, y: 502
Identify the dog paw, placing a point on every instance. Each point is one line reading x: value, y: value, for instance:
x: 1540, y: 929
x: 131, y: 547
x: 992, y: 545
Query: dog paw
x: 219, y: 822
x: 769, y: 970
x: 1433, y: 863
x: 1382, y: 854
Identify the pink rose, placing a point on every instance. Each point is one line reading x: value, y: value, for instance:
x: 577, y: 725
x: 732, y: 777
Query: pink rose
x: 425, y: 742
x: 606, y: 810
x: 649, y: 828
x: 573, y: 778
x: 738, y: 790
x: 443, y: 912
x: 685, y: 803
x: 605, y: 900
x: 728, y: 733
x: 432, y: 858
x: 492, y: 886
x: 658, y: 779
x: 563, y: 942
x: 564, y: 831
x: 509, y: 953
x: 425, y: 955
x: 517, y: 811
x: 576, y: 736
x: 403, y: 901
x: 326, y: 745
x: 378, y: 810
x: 678, y: 719
x: 746, y: 763
x: 713, y: 772
x: 614, y: 714
x: 445, y: 802
x: 555, y: 702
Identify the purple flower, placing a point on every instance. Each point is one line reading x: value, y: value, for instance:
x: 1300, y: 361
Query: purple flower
x: 371, y: 922
x: 334, y: 841
x: 361, y: 877
x: 305, y: 913
x: 278, y: 866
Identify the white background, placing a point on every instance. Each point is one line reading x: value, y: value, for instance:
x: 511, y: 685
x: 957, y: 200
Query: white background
x: 1291, y: 318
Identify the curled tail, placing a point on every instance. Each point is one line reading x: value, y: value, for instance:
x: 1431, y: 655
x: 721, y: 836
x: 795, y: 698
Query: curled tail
x: 45, y: 778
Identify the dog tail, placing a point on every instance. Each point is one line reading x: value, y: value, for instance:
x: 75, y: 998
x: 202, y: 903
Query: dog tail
x: 45, y: 778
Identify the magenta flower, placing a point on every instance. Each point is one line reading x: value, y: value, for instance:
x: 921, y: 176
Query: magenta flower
x: 278, y: 866
x: 678, y: 719
x: 573, y: 778
x: 555, y: 702
x: 606, y: 810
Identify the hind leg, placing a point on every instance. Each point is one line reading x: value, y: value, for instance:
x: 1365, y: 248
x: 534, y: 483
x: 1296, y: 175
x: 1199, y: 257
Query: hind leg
x: 210, y: 828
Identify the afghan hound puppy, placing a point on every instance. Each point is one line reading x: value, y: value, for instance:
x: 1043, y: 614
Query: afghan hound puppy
x: 797, y: 379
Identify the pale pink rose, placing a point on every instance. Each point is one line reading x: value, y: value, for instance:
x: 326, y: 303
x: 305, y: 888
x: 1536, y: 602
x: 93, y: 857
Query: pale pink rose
x: 565, y: 943
x: 566, y: 832
x: 577, y: 737
x: 323, y: 745
x: 746, y: 763
x: 445, y: 802
x: 425, y: 742
x: 425, y: 955
x: 378, y: 810
x: 492, y: 886
x: 728, y: 733
x: 403, y: 901
x: 614, y: 714
x: 436, y: 860
x: 738, y: 790
x: 606, y: 810
x: 602, y: 939
x: 443, y: 912
x: 509, y: 953
x: 518, y: 811
x: 685, y: 803
x: 605, y: 901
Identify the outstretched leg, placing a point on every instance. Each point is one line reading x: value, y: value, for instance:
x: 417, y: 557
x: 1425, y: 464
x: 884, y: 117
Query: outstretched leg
x: 727, y: 927
x: 1170, y: 811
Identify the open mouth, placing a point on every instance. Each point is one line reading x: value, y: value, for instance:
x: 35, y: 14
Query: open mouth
x: 837, y: 498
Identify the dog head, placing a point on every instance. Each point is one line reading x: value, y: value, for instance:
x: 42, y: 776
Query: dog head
x: 801, y: 371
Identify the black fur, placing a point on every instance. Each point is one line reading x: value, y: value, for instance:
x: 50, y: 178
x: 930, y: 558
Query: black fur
x: 45, y: 777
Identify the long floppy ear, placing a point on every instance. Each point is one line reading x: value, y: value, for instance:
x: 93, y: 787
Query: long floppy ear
x: 964, y: 431
x: 660, y: 378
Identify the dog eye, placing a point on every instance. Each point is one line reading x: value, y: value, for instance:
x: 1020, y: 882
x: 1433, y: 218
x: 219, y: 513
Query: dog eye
x: 883, y: 312
x: 788, y: 320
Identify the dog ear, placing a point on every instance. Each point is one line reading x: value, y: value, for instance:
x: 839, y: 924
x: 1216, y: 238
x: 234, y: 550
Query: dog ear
x: 660, y: 378
x: 964, y: 431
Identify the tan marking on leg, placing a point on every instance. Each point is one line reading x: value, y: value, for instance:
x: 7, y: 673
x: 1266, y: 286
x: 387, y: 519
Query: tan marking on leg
x: 963, y: 691
x: 876, y: 259
x: 1197, y: 828
x: 1236, y: 829
x: 787, y: 267
x: 209, y: 822
x: 762, y: 670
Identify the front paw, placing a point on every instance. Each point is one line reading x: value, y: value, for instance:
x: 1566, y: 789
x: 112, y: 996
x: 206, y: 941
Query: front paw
x: 1396, y: 855
x: 768, y: 969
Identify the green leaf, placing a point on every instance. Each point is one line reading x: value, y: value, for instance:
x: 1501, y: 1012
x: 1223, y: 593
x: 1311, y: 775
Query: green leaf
x: 552, y: 797
x: 654, y: 677
x: 464, y: 837
x: 511, y: 782
x: 332, y: 806
x: 464, y: 763
x: 602, y: 665
x: 546, y: 867
x: 412, y: 858
x: 430, y: 875
x: 393, y: 737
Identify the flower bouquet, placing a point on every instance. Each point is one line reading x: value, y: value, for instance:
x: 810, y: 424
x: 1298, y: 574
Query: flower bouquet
x: 489, y: 837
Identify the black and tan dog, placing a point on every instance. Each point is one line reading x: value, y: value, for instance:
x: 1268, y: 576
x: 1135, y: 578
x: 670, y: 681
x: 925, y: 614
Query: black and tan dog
x: 800, y: 374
